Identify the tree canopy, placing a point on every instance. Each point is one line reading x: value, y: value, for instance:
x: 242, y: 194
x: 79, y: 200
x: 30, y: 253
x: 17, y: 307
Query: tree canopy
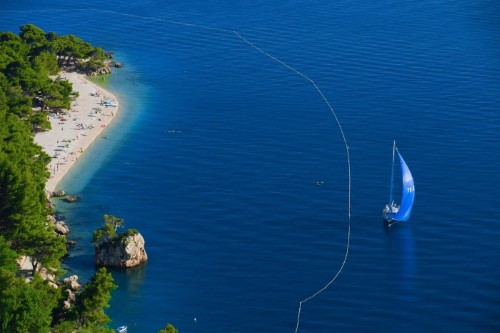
x: 94, y: 299
x: 26, y: 62
x: 169, y: 329
x: 29, y: 63
x: 25, y: 307
x: 107, y: 234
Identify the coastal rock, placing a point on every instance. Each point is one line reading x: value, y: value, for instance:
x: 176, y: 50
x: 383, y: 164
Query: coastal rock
x: 71, y: 295
x: 25, y: 265
x: 72, y: 283
x: 58, y: 193
x: 52, y: 220
x: 70, y: 299
x: 128, y: 251
x: 71, y: 198
x: 61, y: 228
x: 46, y: 274
x: 50, y: 205
x: 101, y: 71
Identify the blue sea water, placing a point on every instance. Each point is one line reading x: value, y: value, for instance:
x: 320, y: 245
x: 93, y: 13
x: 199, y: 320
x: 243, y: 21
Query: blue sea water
x: 218, y: 149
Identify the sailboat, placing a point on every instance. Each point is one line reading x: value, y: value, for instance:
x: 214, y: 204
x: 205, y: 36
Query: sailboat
x: 394, y: 212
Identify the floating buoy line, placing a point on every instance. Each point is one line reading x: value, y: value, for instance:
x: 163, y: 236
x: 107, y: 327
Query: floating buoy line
x: 285, y: 65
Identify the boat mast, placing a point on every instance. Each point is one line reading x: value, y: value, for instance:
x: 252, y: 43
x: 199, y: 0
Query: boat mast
x: 392, y: 175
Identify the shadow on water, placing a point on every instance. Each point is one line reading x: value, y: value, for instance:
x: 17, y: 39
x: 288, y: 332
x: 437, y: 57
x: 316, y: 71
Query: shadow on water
x: 130, y: 278
x: 127, y: 298
x: 401, y: 245
x: 401, y: 254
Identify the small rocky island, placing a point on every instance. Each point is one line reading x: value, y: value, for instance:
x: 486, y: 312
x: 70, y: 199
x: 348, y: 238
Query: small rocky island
x: 62, y: 194
x: 118, y: 250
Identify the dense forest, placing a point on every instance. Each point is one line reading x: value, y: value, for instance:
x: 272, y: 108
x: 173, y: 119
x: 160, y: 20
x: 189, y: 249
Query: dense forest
x: 29, y: 89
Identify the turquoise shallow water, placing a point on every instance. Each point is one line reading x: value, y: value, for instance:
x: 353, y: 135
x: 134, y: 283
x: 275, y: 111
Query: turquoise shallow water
x: 218, y: 149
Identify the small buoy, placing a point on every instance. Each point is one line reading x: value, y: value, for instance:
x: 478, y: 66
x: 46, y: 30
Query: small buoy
x: 195, y: 319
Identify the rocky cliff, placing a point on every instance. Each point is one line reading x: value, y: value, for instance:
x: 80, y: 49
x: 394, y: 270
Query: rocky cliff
x: 124, y: 251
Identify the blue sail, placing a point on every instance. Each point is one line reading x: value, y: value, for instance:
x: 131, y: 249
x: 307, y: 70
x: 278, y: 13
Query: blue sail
x: 408, y: 195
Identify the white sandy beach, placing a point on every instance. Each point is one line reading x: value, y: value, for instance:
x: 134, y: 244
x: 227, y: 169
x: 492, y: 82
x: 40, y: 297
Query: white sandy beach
x: 72, y: 133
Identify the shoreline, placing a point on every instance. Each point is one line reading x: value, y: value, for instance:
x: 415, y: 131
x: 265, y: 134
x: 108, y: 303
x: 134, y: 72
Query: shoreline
x: 73, y: 132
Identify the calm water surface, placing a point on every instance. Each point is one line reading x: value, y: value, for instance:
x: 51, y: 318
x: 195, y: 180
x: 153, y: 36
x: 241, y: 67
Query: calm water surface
x: 218, y: 149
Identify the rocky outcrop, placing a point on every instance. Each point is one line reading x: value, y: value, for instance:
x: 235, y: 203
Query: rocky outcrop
x: 25, y: 265
x: 100, y: 71
x: 71, y: 282
x: 61, y: 228
x: 48, y: 275
x: 71, y: 198
x: 58, y: 193
x: 124, y: 251
x: 52, y: 220
x: 72, y: 286
x: 116, y: 64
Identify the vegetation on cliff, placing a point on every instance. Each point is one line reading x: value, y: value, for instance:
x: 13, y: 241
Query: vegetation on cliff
x: 28, y: 90
x: 112, y: 249
x: 87, y: 315
x: 29, y: 63
x: 108, y: 234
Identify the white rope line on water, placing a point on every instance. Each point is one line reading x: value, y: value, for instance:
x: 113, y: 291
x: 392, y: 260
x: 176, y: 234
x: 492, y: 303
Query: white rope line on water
x: 305, y: 77
x: 348, y: 167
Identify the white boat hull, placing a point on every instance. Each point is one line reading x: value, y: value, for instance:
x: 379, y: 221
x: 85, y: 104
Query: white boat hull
x: 121, y: 329
x: 389, y: 212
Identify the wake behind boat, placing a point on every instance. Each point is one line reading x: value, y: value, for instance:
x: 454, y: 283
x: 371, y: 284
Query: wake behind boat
x: 393, y: 212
